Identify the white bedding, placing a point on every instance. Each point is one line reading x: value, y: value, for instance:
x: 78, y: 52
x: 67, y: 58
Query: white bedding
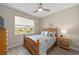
x: 34, y: 37
x: 45, y: 42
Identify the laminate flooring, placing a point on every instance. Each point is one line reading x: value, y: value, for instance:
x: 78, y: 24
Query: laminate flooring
x: 20, y: 50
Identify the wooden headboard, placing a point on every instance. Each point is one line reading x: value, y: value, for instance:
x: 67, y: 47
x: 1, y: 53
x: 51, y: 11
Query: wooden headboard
x: 50, y: 30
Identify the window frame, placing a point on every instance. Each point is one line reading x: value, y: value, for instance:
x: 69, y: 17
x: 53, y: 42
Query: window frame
x: 25, y: 26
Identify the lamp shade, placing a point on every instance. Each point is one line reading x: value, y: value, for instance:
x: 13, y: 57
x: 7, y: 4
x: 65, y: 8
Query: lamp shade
x: 63, y: 31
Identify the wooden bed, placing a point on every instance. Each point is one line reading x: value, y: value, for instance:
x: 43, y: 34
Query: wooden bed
x: 32, y: 45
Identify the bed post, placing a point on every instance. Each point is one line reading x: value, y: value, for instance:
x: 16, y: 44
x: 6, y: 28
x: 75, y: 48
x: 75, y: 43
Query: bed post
x: 38, y: 44
x: 56, y: 32
x: 24, y: 40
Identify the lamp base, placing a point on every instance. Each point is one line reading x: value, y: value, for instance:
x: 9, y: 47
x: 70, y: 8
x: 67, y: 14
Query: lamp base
x: 61, y: 35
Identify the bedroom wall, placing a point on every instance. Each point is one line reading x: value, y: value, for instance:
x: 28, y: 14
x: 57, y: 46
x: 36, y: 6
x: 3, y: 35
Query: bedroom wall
x: 9, y: 16
x: 68, y: 20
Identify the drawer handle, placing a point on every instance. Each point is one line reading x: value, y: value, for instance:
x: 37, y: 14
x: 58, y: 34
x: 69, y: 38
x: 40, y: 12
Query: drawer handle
x: 32, y: 47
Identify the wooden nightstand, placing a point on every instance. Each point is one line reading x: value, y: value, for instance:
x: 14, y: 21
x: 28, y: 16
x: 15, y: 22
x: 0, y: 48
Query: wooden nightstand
x: 63, y: 42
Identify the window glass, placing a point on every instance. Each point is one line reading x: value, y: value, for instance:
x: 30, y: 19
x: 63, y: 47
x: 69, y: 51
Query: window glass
x: 23, y: 25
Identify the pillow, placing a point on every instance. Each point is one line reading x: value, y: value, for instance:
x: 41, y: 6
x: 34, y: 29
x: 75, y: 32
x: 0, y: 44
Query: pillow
x: 50, y: 34
x: 44, y: 33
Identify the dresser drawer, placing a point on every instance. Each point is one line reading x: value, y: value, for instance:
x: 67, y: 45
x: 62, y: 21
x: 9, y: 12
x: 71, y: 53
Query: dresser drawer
x: 63, y: 42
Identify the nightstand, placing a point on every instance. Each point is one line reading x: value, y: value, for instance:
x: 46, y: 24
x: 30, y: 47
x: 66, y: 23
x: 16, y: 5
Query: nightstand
x: 63, y: 42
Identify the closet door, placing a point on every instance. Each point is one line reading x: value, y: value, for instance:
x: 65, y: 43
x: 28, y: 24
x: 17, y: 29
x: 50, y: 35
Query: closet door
x: 2, y: 41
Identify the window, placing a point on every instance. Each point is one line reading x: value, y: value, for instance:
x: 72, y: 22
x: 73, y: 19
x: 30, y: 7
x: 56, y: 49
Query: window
x: 23, y: 25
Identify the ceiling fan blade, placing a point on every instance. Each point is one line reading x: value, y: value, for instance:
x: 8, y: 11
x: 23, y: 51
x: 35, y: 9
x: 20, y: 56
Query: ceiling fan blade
x: 35, y: 11
x: 46, y: 9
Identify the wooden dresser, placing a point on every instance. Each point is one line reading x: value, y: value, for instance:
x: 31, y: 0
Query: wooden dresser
x: 2, y: 41
x: 63, y: 42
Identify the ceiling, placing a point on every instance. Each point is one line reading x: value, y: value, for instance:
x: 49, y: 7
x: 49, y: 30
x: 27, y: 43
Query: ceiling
x: 30, y: 7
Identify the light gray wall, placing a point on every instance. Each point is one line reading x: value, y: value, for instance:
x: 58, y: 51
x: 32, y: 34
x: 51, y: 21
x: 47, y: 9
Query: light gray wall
x: 67, y: 19
x: 9, y: 18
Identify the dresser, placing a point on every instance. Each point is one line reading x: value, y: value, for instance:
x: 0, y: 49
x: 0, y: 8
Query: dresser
x: 63, y: 42
x: 2, y: 41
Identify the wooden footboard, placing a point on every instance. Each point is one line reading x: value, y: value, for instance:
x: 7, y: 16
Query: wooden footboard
x: 31, y: 45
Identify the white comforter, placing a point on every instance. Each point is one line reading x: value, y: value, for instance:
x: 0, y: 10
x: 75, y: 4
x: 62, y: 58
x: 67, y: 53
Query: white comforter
x: 45, y: 42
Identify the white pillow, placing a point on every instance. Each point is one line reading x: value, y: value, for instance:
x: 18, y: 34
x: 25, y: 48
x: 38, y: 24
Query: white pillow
x: 44, y: 33
x: 41, y: 32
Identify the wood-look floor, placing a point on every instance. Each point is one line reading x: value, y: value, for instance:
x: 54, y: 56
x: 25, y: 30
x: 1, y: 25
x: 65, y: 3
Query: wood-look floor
x: 20, y: 50
x: 60, y: 51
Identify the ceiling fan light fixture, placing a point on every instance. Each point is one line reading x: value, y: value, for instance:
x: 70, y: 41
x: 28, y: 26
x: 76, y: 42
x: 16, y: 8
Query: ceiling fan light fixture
x: 40, y: 9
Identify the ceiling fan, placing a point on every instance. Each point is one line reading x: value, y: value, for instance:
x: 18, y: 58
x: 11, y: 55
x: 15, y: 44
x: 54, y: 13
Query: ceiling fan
x: 40, y: 8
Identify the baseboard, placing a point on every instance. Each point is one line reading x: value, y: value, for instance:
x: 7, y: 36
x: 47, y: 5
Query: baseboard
x: 14, y: 46
x: 75, y: 49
